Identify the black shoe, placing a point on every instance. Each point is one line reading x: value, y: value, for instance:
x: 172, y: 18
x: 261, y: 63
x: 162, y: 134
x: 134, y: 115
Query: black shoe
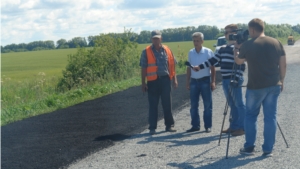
x: 208, y: 130
x: 193, y: 129
x: 171, y: 129
x: 267, y: 154
x: 247, y: 151
x: 228, y: 131
x: 152, y: 131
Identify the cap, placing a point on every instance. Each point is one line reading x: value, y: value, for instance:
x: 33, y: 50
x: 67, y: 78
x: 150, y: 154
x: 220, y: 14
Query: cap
x: 156, y: 34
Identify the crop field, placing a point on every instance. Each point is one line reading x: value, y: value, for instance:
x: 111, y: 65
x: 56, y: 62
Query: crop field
x: 26, y: 65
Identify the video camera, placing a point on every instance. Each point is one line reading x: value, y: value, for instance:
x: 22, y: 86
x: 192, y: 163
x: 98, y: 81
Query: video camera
x: 240, y: 36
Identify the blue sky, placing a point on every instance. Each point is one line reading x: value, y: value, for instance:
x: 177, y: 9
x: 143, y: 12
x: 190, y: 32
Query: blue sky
x: 24, y: 21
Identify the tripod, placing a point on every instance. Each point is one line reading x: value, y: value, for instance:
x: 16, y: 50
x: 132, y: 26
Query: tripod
x: 231, y: 93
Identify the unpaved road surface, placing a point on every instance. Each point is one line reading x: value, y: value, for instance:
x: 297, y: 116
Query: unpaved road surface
x: 110, y: 132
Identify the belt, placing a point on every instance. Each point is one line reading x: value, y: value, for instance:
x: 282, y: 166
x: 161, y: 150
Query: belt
x: 203, y: 78
x: 163, y: 76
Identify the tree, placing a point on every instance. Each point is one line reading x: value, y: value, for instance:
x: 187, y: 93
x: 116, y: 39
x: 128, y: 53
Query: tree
x: 111, y: 58
x: 49, y: 44
x: 91, y: 40
x: 77, y: 42
x: 61, y: 44
x: 144, y: 37
x: 296, y: 28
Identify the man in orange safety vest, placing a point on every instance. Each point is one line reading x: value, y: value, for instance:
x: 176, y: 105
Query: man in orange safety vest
x: 158, y: 68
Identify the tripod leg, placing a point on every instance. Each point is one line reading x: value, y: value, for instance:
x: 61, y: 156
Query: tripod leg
x: 232, y: 94
x: 225, y: 113
x: 227, y: 145
x: 287, y: 146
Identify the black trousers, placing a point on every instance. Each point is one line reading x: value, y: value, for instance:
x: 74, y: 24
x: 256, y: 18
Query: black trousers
x: 160, y: 88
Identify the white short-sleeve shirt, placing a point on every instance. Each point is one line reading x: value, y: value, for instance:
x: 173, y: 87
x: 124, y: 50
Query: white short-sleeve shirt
x: 196, y: 59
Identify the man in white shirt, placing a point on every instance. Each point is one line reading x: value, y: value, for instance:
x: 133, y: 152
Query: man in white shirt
x: 200, y: 82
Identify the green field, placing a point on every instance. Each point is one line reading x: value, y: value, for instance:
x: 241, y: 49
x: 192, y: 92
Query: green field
x: 26, y: 65
x: 19, y: 66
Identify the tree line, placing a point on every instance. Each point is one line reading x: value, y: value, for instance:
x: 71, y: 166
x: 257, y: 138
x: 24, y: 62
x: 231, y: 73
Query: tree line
x: 169, y: 35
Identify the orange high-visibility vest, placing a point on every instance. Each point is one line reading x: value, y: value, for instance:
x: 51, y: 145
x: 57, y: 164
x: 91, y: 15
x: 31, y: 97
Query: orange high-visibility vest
x: 152, y: 68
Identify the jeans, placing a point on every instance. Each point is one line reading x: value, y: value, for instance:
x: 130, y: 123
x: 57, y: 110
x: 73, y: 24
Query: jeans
x: 203, y: 88
x: 236, y: 103
x: 267, y: 97
x: 160, y: 88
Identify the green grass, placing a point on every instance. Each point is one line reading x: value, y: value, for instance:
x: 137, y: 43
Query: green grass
x: 18, y: 66
x: 52, y: 101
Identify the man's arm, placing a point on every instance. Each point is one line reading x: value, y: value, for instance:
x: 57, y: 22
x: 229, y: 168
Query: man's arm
x: 238, y: 60
x: 144, y: 85
x: 175, y: 83
x: 213, y: 77
x: 236, y: 52
x: 143, y: 64
x: 282, y: 69
x: 209, y: 63
x: 188, y: 77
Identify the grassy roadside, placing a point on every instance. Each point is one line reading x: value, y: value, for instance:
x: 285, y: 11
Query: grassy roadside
x: 56, y: 101
x: 48, y: 100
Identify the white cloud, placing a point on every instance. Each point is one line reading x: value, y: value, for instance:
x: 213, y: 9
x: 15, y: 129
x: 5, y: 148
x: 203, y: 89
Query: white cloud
x: 29, y: 4
x: 10, y: 2
x: 32, y: 20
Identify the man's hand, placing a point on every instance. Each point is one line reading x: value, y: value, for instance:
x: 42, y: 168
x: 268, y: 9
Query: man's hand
x: 175, y: 83
x: 213, y: 86
x: 237, y: 46
x: 196, y: 68
x: 187, y: 86
x: 144, y: 88
x: 236, y: 52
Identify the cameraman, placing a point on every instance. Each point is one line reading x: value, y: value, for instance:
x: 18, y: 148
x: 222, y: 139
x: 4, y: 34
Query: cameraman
x: 234, y: 95
x: 267, y: 66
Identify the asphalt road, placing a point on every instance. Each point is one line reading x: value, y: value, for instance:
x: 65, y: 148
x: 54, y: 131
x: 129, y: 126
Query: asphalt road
x: 66, y: 136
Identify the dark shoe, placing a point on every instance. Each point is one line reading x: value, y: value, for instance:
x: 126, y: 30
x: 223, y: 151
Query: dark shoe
x: 238, y: 132
x: 193, y: 129
x: 152, y: 131
x: 247, y: 151
x: 267, y: 154
x: 171, y: 129
x: 208, y: 130
x: 228, y: 131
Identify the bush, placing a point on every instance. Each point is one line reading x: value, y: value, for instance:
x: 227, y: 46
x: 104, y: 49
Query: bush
x: 112, y: 58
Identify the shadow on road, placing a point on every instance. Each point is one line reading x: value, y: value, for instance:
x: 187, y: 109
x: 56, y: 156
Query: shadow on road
x: 209, y: 163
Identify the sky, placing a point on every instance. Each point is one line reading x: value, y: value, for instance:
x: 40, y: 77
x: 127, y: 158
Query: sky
x: 24, y: 21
